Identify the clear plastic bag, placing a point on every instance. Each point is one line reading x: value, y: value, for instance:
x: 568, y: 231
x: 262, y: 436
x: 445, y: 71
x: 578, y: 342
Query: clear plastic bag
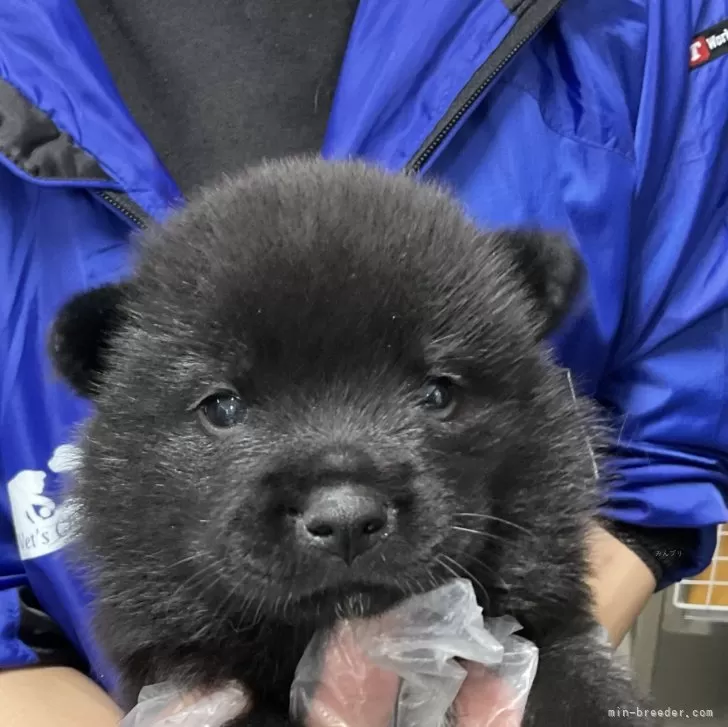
x: 401, y: 670
x: 415, y: 650
x: 162, y: 705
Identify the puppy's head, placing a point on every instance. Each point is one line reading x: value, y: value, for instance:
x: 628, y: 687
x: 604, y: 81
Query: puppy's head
x: 323, y: 385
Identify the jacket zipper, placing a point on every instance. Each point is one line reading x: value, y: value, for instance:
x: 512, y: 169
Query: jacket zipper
x: 122, y: 204
x: 527, y: 26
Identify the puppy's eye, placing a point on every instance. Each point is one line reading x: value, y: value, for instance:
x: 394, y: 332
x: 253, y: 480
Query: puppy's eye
x: 438, y: 396
x: 222, y: 410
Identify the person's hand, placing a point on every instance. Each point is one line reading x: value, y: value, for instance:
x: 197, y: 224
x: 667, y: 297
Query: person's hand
x: 355, y: 693
x: 486, y: 701
x: 349, y: 691
x: 352, y: 692
x: 53, y: 697
x: 621, y: 583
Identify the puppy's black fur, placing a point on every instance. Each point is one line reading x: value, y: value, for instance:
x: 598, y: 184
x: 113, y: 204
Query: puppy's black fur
x: 329, y: 302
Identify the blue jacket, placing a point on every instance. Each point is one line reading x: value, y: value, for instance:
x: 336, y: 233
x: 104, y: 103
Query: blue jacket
x: 582, y: 115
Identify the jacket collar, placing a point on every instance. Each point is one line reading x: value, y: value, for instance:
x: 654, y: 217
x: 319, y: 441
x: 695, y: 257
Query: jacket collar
x: 75, y: 122
x: 411, y: 74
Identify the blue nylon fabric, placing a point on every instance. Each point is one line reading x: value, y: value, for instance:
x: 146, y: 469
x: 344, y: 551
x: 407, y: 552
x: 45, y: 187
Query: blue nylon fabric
x: 630, y: 156
x: 53, y: 243
x: 14, y: 652
x: 48, y: 54
x: 400, y: 74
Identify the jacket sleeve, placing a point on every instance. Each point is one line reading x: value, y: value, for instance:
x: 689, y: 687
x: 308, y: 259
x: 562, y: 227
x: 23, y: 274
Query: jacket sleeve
x: 14, y: 652
x: 667, y: 384
x: 30, y: 637
x: 670, y: 457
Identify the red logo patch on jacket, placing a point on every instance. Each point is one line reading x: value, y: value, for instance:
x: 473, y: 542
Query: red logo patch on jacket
x: 709, y: 45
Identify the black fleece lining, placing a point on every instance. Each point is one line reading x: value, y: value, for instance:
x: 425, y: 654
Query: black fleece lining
x: 39, y: 632
x: 32, y: 142
x: 221, y: 85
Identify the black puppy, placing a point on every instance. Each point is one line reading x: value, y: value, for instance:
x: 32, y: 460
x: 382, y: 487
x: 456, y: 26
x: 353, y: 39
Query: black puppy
x: 323, y: 390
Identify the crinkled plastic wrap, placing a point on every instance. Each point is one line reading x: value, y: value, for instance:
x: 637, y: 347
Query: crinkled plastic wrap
x: 161, y: 705
x: 401, y: 670
x: 416, y: 648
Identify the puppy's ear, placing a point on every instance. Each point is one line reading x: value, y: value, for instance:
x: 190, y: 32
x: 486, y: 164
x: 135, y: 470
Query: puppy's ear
x: 81, y: 333
x: 553, y: 273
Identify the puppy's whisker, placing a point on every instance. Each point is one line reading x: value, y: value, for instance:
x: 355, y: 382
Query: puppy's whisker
x: 189, y: 581
x: 501, y: 584
x: 432, y: 579
x: 257, y: 615
x: 182, y: 561
x: 448, y: 568
x: 468, y: 575
x: 243, y: 615
x: 222, y: 615
x: 286, y: 604
x: 413, y: 586
x: 495, y: 519
x: 209, y: 624
x: 482, y: 534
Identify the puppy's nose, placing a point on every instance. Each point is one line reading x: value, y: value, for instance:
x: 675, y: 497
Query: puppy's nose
x: 346, y: 521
